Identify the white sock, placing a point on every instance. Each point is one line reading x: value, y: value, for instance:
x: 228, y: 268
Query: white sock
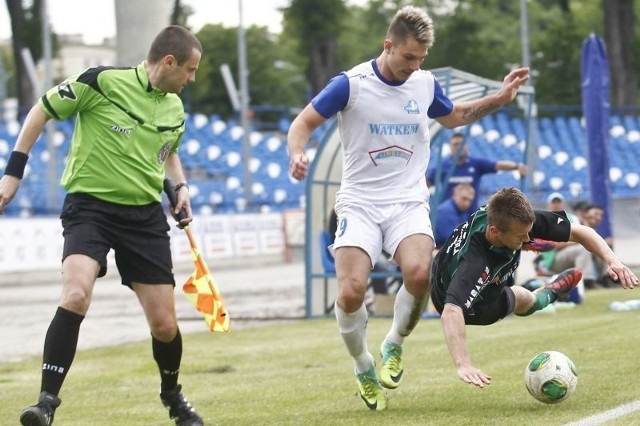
x: 407, y: 311
x: 353, y: 329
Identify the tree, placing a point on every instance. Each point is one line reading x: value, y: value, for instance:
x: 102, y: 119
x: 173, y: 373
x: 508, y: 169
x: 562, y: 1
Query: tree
x: 26, y: 28
x: 619, y: 36
x: 19, y: 42
x: 317, y: 24
x: 275, y: 73
x: 364, y: 35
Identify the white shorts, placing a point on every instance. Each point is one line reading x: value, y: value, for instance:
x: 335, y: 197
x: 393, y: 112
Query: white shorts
x: 375, y: 228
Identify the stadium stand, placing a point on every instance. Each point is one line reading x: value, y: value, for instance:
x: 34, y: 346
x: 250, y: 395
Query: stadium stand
x: 213, y: 155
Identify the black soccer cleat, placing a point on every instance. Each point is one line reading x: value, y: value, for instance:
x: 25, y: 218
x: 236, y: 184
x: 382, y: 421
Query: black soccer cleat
x: 565, y: 282
x: 42, y: 413
x: 179, y: 408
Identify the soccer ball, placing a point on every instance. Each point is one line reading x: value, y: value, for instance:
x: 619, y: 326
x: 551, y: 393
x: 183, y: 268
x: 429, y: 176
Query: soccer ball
x: 551, y: 377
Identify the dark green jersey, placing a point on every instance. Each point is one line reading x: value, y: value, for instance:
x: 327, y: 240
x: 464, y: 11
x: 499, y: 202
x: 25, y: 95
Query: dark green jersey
x: 468, y: 269
x: 124, y: 131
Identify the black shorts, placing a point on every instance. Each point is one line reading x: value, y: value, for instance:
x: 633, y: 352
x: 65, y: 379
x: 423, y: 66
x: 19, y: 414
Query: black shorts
x: 139, y: 236
x: 489, y: 310
x: 492, y: 309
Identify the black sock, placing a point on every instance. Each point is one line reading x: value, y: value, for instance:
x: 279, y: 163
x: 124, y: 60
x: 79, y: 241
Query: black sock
x: 168, y: 357
x: 59, y: 349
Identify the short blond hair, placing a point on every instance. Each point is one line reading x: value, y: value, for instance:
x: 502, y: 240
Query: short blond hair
x: 411, y: 21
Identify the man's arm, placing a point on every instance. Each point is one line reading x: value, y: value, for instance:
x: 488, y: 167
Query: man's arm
x: 29, y: 133
x: 297, y: 138
x: 454, y: 333
x: 593, y: 242
x: 173, y: 169
x: 512, y: 165
x: 468, y: 112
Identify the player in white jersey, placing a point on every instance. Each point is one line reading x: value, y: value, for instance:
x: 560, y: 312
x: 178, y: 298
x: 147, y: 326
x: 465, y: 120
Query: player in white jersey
x: 382, y: 107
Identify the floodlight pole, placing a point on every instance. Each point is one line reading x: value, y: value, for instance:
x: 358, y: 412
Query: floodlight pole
x: 524, y: 35
x: 244, y: 108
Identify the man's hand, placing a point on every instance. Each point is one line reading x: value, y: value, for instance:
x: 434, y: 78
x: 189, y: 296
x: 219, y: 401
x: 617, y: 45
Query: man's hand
x: 512, y: 83
x: 472, y: 375
x: 298, y: 166
x: 622, y: 274
x: 8, y: 188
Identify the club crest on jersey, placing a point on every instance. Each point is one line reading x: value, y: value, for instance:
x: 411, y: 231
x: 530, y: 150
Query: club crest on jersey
x: 390, y: 152
x: 412, y: 107
x: 164, y: 152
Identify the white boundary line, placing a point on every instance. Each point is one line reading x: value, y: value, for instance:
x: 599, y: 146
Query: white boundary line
x: 614, y: 413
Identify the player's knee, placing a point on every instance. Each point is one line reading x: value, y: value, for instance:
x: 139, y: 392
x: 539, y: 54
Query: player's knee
x: 416, y: 278
x: 164, y: 329
x: 351, y: 297
x: 76, y: 300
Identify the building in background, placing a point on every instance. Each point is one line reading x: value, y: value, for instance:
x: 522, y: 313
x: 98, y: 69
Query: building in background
x: 74, y: 55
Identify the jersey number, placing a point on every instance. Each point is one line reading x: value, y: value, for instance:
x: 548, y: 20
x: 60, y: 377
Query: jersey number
x: 65, y: 91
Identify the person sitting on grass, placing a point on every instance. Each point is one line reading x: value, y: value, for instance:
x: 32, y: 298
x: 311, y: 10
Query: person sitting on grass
x: 473, y: 274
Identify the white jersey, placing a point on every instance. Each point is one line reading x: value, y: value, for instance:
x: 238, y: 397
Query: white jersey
x: 385, y: 138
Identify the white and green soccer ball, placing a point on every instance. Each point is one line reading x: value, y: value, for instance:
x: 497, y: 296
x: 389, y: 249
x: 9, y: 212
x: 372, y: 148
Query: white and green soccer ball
x: 551, y: 377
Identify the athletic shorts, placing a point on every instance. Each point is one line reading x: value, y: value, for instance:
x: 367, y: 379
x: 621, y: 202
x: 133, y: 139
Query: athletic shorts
x: 138, y: 235
x: 375, y: 228
x: 491, y: 309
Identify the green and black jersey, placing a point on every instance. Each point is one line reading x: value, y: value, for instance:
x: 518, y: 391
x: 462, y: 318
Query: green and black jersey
x: 468, y: 269
x: 124, y: 132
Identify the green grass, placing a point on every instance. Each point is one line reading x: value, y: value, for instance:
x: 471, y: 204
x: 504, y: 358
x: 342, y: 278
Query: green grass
x: 300, y: 373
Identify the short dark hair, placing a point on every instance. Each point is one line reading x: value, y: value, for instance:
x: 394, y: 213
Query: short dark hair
x: 509, y: 205
x: 581, y: 206
x: 176, y: 41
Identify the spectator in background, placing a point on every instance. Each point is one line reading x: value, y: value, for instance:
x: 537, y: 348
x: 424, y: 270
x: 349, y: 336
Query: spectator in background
x: 544, y: 262
x: 460, y: 167
x: 580, y: 210
x: 570, y: 254
x: 593, y: 216
x: 453, y: 211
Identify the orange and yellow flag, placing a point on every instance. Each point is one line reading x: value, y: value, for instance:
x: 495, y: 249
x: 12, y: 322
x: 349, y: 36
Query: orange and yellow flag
x: 202, y: 292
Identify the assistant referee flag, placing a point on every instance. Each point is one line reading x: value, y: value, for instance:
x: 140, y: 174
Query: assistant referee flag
x: 202, y: 291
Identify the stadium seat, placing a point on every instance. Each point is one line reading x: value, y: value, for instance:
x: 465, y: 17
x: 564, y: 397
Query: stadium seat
x: 213, y: 156
x: 328, y: 262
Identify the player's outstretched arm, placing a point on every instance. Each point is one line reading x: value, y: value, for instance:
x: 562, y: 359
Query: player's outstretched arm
x: 471, y: 111
x: 593, y: 242
x: 454, y: 334
x: 29, y: 133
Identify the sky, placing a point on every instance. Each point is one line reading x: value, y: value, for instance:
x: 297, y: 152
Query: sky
x: 100, y: 22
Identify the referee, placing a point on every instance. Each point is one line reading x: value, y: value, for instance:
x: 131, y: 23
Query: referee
x: 129, y: 123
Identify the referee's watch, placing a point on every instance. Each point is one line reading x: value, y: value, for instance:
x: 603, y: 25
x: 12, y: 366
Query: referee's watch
x: 180, y: 185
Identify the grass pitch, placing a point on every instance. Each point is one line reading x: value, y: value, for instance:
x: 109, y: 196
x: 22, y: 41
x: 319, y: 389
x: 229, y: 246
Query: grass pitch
x: 300, y: 373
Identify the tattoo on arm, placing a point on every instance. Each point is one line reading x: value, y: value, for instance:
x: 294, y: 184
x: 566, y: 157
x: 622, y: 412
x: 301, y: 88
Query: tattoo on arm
x: 479, y: 112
